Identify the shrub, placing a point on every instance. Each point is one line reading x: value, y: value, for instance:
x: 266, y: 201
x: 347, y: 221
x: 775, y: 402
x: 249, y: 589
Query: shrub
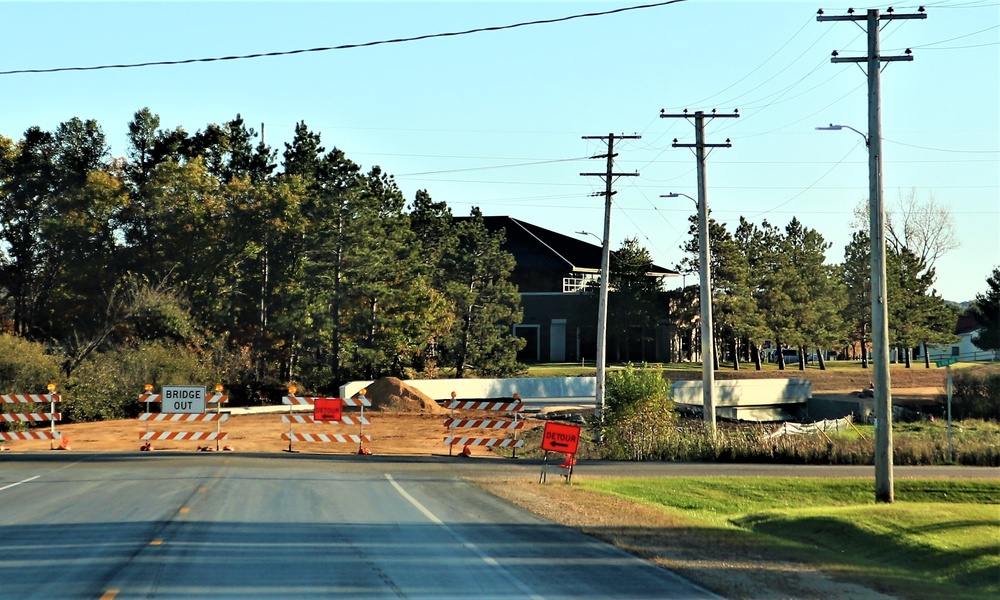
x: 639, y: 414
x: 976, y: 393
x: 25, y: 367
x: 108, y: 385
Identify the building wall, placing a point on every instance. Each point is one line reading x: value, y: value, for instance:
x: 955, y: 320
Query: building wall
x: 574, y: 317
x: 963, y: 350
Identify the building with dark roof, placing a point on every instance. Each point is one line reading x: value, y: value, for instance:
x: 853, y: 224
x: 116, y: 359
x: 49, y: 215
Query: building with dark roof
x: 557, y: 276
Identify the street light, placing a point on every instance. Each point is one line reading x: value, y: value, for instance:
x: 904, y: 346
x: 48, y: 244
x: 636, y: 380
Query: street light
x: 833, y: 127
x: 594, y: 235
x: 707, y: 341
x: 882, y: 392
x: 678, y: 195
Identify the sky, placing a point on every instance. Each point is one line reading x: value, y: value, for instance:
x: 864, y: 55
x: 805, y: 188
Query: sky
x: 497, y: 119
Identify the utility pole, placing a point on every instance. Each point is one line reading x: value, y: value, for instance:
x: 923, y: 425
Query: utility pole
x: 876, y: 222
x: 705, y: 269
x: 602, y: 306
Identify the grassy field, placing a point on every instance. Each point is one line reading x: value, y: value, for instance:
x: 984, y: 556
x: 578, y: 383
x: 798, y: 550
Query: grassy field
x: 940, y: 539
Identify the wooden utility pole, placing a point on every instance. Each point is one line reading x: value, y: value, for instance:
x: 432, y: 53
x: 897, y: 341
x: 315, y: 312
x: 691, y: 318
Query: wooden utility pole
x: 602, y: 306
x: 880, y: 322
x: 704, y: 267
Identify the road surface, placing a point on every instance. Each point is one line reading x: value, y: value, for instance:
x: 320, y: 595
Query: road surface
x: 122, y: 526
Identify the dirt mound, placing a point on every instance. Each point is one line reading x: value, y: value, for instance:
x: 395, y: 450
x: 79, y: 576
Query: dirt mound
x: 393, y: 395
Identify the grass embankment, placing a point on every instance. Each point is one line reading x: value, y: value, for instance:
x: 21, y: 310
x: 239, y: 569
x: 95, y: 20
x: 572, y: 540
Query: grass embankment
x: 838, y: 375
x: 940, y: 539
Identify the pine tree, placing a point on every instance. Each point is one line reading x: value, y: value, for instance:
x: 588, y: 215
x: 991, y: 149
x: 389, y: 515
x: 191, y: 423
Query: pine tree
x: 986, y: 310
x: 634, y: 305
x: 486, y: 305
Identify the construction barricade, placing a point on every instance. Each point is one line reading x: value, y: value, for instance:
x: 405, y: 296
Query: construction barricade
x: 184, y: 404
x: 327, y: 411
x: 33, y: 417
x: 484, y: 425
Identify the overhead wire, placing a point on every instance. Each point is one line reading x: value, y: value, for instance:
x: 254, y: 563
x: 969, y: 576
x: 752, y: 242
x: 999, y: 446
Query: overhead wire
x: 490, y: 167
x: 342, y: 46
x: 807, y: 188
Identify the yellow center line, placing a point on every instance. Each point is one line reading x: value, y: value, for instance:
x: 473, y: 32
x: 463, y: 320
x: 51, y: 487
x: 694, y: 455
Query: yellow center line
x: 202, y: 489
x: 109, y: 595
x: 156, y: 542
x: 185, y: 510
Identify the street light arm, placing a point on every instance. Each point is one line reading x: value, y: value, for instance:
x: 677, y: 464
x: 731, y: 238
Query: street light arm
x: 833, y: 127
x: 678, y: 195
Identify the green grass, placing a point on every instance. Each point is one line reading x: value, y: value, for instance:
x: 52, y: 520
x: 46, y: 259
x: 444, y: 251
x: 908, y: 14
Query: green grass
x: 940, y: 539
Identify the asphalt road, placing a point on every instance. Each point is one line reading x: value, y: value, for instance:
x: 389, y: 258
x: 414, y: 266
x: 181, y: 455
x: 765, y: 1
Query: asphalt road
x: 119, y: 526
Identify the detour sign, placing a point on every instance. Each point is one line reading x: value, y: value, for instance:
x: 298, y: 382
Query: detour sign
x: 559, y: 437
x: 327, y: 409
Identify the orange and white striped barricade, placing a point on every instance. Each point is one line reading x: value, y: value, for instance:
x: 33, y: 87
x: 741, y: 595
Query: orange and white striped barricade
x: 484, y: 425
x: 32, y: 417
x: 327, y: 411
x: 212, y: 401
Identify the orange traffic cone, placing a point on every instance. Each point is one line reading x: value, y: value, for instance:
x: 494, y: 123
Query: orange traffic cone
x: 466, y: 451
x: 64, y: 443
x: 147, y: 447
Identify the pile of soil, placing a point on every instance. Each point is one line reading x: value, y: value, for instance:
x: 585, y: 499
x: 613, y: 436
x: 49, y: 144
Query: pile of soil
x: 393, y: 395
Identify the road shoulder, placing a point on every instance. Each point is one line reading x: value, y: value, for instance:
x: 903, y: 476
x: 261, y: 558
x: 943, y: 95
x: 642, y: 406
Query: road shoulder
x: 714, y: 559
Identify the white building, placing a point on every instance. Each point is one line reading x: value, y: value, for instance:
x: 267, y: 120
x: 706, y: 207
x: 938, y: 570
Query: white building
x: 964, y: 350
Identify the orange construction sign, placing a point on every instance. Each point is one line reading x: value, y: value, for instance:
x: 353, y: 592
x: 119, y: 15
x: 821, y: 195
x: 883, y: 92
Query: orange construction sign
x: 327, y: 409
x: 559, y: 437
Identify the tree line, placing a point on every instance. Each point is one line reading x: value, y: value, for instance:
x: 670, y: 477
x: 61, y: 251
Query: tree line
x: 301, y: 267
x: 774, y: 284
x: 307, y: 267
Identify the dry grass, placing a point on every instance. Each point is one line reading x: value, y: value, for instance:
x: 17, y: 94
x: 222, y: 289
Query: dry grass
x: 724, y: 560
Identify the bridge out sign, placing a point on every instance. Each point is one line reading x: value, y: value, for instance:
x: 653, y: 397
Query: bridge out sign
x: 188, y: 399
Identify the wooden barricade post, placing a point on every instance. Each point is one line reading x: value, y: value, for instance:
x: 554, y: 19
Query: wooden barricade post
x: 452, y: 423
x: 33, y: 417
x: 331, y: 414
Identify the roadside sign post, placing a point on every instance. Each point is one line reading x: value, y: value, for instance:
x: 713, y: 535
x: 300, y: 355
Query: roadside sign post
x: 946, y: 363
x: 291, y: 394
x: 951, y: 453
x: 361, y: 432
x: 564, y: 439
x: 451, y: 424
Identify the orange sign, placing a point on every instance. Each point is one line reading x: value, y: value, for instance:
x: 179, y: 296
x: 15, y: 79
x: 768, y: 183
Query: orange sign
x: 561, y: 438
x: 327, y: 409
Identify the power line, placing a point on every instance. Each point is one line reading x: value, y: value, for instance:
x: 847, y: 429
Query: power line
x: 342, y: 46
x: 525, y: 164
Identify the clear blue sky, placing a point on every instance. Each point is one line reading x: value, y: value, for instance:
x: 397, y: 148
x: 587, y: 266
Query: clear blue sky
x: 495, y: 119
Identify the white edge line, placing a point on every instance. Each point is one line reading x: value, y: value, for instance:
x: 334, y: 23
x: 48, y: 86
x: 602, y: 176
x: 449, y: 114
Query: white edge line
x: 8, y: 486
x: 482, y: 555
